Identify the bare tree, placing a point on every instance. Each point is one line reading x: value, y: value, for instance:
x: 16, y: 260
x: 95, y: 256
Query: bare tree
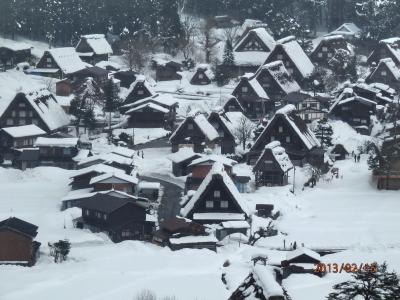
x: 146, y: 295
x: 191, y: 30
x: 135, y: 55
x: 231, y: 34
x: 243, y: 131
x: 209, y: 40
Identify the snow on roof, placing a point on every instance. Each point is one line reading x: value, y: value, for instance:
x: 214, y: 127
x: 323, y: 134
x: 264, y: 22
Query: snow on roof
x: 258, y: 89
x: 262, y: 34
x: 56, y: 142
x: 183, y: 154
x: 216, y: 170
x: 47, y: 107
x: 235, y: 224
x: 107, y: 158
x: 141, y: 79
x: 14, y: 45
x: 393, y: 44
x: 99, y: 168
x: 119, y: 175
x: 123, y: 151
x: 192, y: 239
x: 340, y: 101
x: 207, y: 70
x: 98, y: 43
x: 153, y: 106
x: 67, y: 59
x: 232, y: 120
x: 23, y: 131
x: 281, y: 76
x: 390, y: 65
x: 149, y: 185
x: 82, y: 154
x: 201, y: 121
x: 265, y: 277
x: 165, y: 100
x: 298, y: 125
x: 280, y: 155
x: 106, y: 63
x: 348, y: 29
x: 213, y: 158
x: 250, y: 58
x: 218, y: 216
x: 297, y: 55
x: 300, y: 251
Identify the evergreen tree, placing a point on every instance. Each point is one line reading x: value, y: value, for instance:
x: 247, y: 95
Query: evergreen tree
x: 323, y: 132
x: 228, y: 57
x: 89, y: 119
x: 60, y: 250
x: 375, y: 282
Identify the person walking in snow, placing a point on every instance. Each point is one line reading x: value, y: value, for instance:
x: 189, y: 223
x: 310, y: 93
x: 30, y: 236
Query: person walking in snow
x: 142, y: 154
x: 358, y: 157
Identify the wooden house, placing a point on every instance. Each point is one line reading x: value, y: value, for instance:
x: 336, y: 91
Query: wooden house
x: 109, y: 159
x: 17, y: 244
x: 121, y: 218
x: 93, y: 48
x: 181, y: 161
x: 339, y: 152
x: 57, y: 152
x: 252, y: 97
x: 276, y: 80
x: 64, y: 87
x: 216, y: 200
x: 224, y: 127
x: 292, y: 132
x: 309, y: 106
x: 58, y: 63
x: 231, y: 103
x: 300, y: 261
x: 355, y: 111
x: 25, y: 158
x: 263, y: 282
x: 200, y: 167
x: 167, y: 70
x: 111, y: 181
x: 387, y: 48
x: 349, y: 31
x: 138, y: 90
x: 81, y: 178
x: 196, y: 132
x: 99, y: 75
x: 180, y: 233
x: 37, y: 107
x: 385, y: 72
x: 202, y: 76
x: 12, y: 53
x: 252, y: 50
x: 126, y: 77
x: 273, y: 165
x: 20, y: 136
x: 327, y: 47
x: 152, y: 112
x: 296, y: 61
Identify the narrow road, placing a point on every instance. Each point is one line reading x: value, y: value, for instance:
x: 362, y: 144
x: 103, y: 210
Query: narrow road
x: 158, y: 143
x: 169, y: 206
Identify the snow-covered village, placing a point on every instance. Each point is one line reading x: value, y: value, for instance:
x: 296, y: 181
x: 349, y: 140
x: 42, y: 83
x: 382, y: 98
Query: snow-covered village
x: 200, y: 149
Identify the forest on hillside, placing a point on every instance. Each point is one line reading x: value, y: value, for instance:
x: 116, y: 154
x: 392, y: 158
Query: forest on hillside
x: 63, y: 22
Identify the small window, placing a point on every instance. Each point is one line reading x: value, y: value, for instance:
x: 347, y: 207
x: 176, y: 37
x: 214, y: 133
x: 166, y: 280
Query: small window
x: 48, y: 60
x: 30, y: 113
x: 280, y: 129
x: 217, y: 194
x: 10, y: 122
x: 288, y: 139
x: 87, y: 212
x: 21, y: 104
x: 221, y: 133
x: 22, y: 113
x: 105, y: 217
x: 209, y: 204
x: 290, y: 71
x: 356, y: 119
x: 201, y: 76
x: 363, y: 121
x: 279, y: 56
x: 224, y: 204
x: 190, y: 126
x: 272, y: 138
x: 329, y: 54
x: 22, y: 122
x: 383, y: 73
x: 13, y: 113
x: 67, y: 151
x: 245, y: 89
x: 324, y: 49
x: 319, y: 54
x: 140, y: 92
x: 35, y: 121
